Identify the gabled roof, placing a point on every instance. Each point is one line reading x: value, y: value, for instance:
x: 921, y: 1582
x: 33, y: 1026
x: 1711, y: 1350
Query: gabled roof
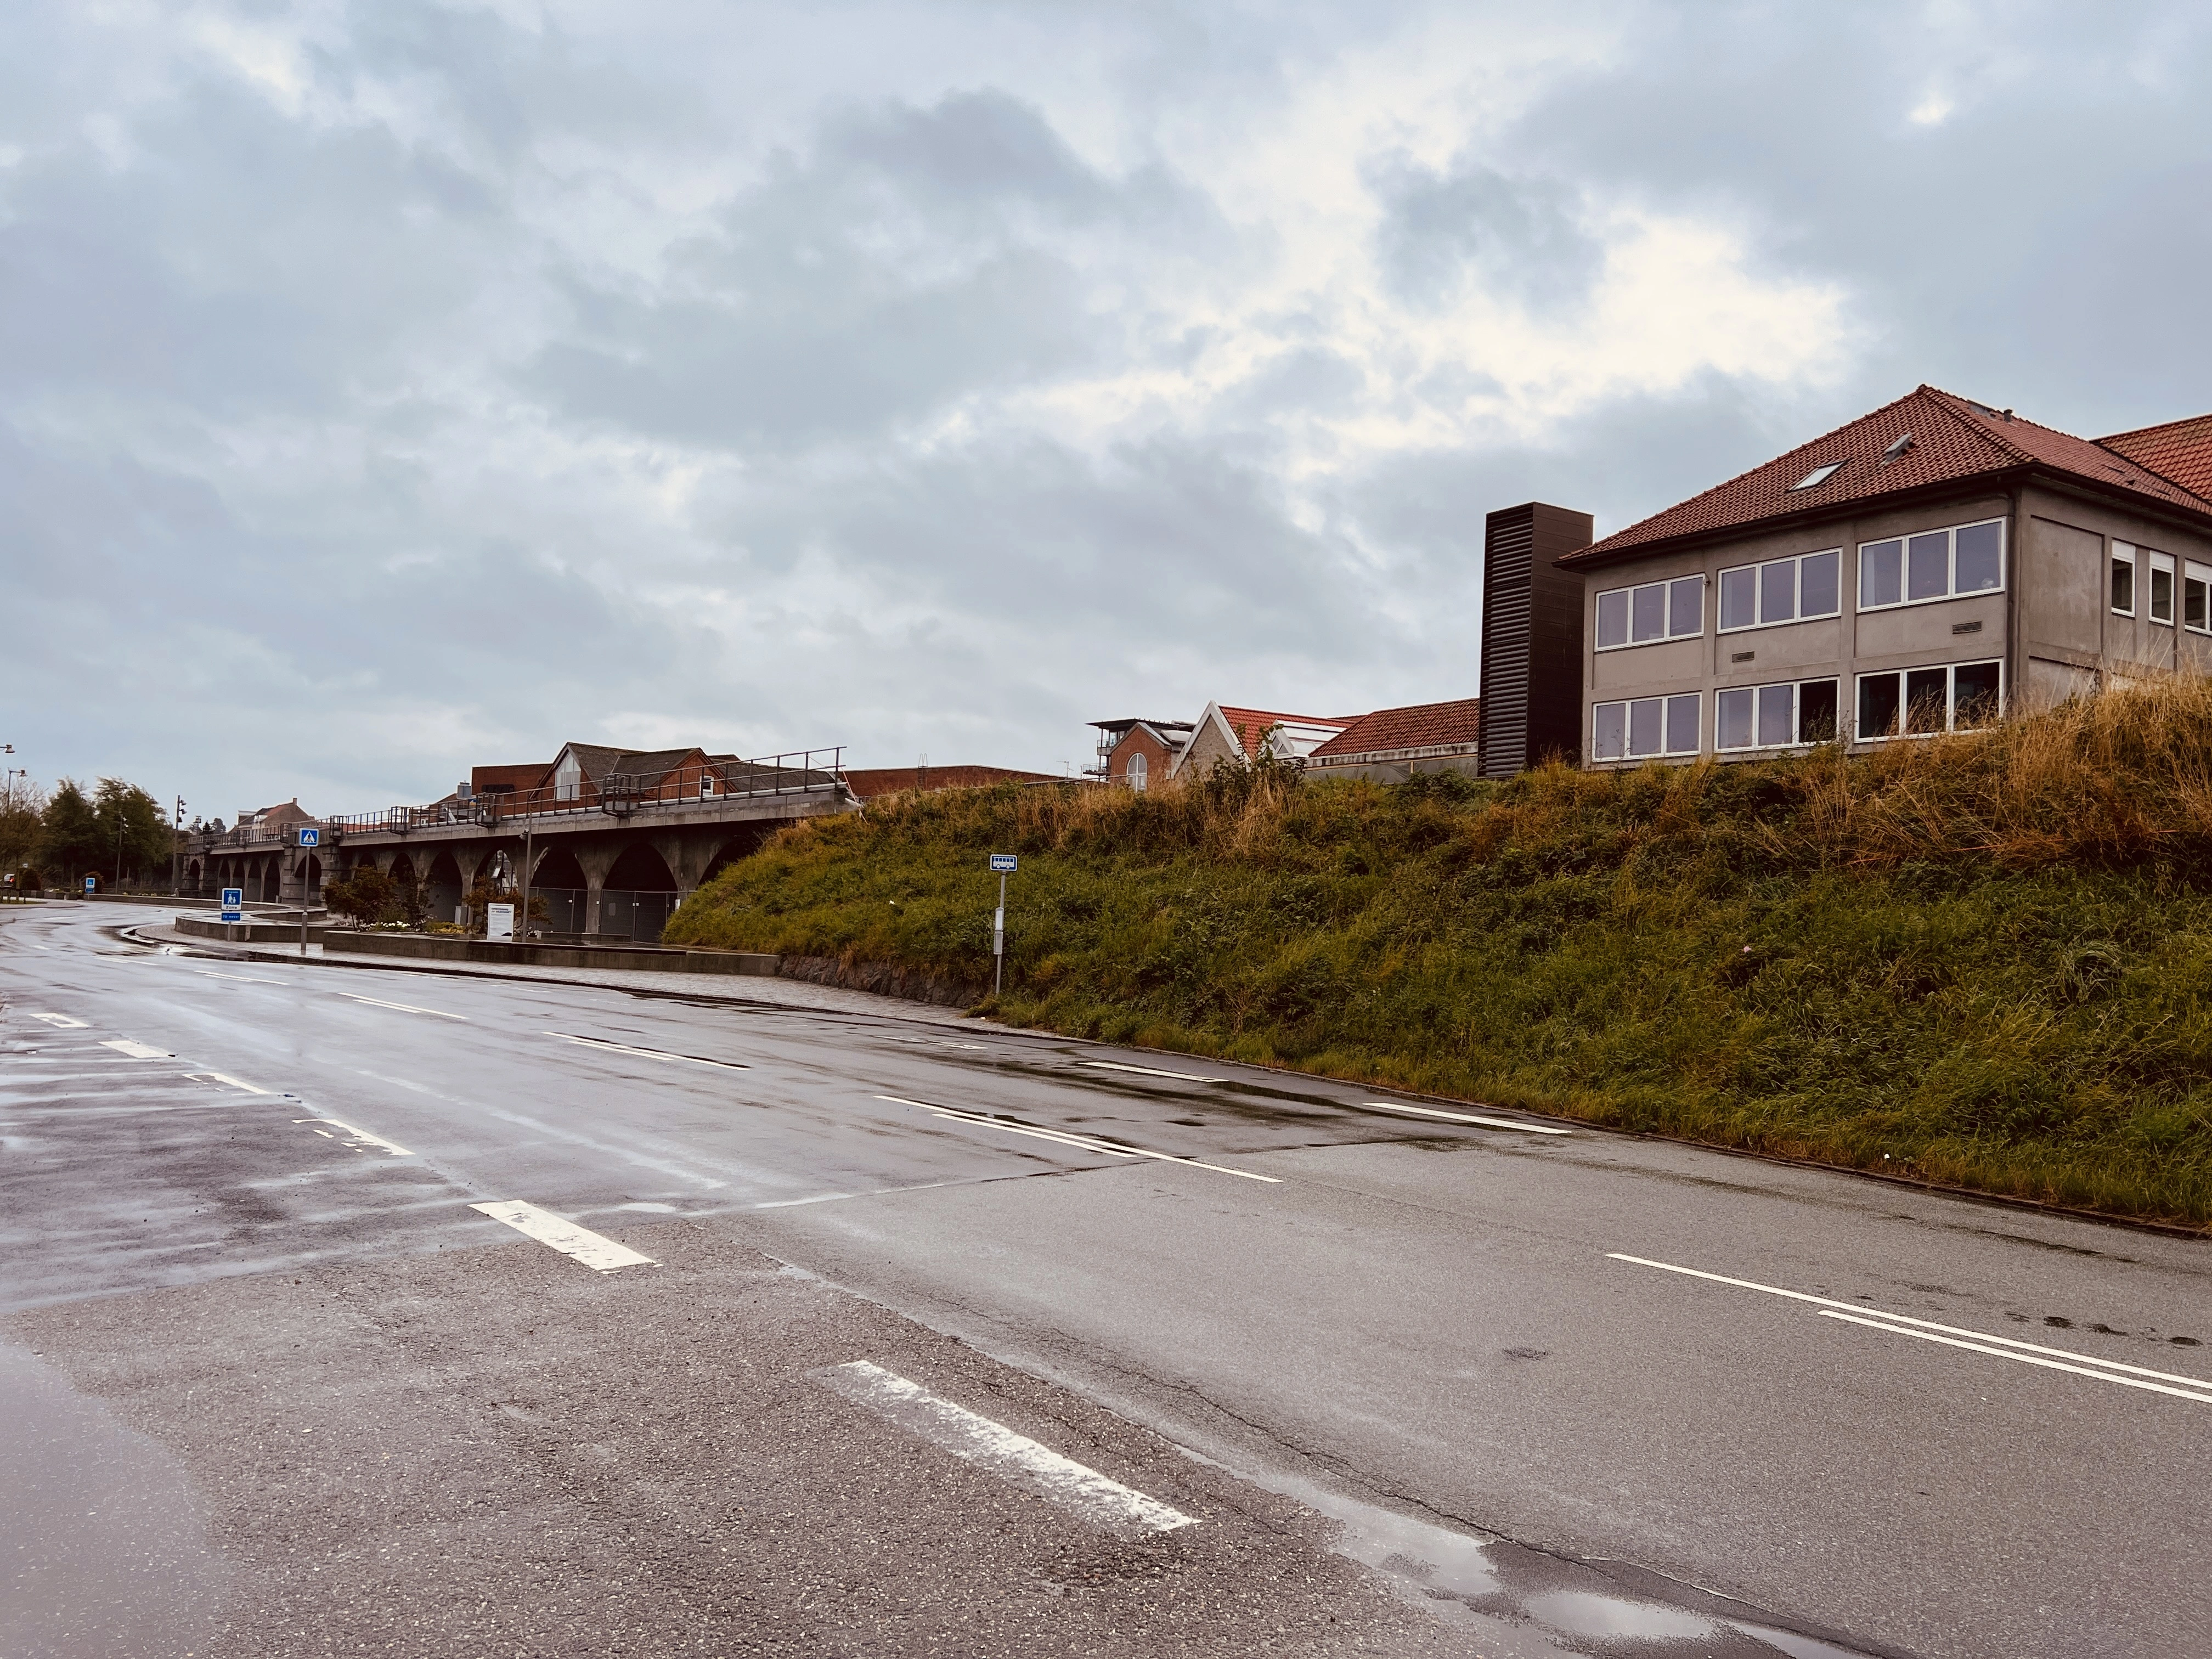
x: 596, y: 759
x: 2179, y: 450
x: 1420, y: 726
x: 526, y: 776
x: 1249, y: 725
x: 1955, y: 441
x: 650, y: 766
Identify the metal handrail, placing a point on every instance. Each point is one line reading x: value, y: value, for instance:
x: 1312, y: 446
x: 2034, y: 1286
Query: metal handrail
x: 795, y: 771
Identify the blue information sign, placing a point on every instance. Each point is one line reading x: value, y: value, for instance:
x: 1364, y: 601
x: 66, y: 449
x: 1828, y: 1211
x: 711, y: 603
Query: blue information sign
x: 91, y: 886
x: 233, y: 904
x: 311, y: 837
x: 1004, y: 863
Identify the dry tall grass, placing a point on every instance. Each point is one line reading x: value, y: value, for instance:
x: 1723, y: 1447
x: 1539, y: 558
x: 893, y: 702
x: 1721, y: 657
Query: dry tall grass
x: 1986, y: 959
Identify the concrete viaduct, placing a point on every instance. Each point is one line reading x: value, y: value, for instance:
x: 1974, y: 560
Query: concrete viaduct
x: 615, y: 866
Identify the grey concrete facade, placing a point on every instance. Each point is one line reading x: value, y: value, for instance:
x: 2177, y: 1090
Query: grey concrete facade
x: 2050, y: 625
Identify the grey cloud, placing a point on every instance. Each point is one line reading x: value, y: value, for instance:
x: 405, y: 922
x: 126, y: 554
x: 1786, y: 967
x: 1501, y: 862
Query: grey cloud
x: 1519, y: 237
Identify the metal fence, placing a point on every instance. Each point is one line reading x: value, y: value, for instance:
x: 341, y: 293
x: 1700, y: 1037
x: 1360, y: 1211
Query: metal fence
x: 795, y: 772
x: 635, y: 915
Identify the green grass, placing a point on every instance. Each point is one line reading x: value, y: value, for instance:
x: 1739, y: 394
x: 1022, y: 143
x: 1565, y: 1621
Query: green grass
x: 1985, y: 962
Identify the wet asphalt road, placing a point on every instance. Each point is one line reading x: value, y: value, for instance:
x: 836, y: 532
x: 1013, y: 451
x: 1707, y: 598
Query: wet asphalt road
x: 1470, y: 1344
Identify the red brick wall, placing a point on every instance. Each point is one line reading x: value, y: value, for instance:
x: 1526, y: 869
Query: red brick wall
x: 1157, y: 756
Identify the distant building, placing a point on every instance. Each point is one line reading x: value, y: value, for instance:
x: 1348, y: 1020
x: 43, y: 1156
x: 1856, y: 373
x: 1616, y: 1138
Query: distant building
x: 1229, y: 734
x: 1391, y: 744
x: 867, y: 783
x: 1917, y: 570
x: 1139, y: 752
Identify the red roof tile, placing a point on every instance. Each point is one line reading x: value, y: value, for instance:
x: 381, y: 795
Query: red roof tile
x: 1250, y: 725
x: 1955, y: 441
x: 1421, y: 726
x: 2179, y: 450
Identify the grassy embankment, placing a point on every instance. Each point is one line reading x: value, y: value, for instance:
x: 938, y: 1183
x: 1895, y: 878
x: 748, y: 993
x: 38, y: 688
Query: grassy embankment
x: 1984, y: 960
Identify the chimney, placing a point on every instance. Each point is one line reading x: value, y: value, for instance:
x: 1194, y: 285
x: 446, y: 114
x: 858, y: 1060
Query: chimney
x: 1532, y: 638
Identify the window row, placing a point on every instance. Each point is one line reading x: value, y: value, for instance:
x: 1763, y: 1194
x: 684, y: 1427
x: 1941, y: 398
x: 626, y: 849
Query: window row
x: 1936, y: 564
x: 1905, y: 702
x: 1657, y: 610
x: 2196, y: 587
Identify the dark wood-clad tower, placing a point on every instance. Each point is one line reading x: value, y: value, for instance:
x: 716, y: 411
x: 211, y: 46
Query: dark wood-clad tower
x: 1532, y: 638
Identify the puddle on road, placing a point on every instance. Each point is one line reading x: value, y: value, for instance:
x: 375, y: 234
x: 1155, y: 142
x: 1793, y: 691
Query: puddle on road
x: 1525, y: 1604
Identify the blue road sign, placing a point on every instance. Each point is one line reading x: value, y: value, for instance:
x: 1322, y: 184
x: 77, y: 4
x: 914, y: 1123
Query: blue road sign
x: 1003, y: 863
x: 311, y: 837
x: 233, y: 904
x: 91, y: 886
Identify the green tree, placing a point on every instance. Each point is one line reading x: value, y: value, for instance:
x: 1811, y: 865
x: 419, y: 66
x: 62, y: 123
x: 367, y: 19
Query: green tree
x: 69, y: 834
x: 20, y: 809
x: 135, y: 838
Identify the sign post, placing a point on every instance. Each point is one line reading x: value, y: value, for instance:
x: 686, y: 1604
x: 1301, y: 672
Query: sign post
x: 233, y: 904
x: 1003, y: 865
x: 309, y: 837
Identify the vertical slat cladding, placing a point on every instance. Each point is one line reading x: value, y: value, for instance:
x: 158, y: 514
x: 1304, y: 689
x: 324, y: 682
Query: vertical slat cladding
x: 1508, y: 556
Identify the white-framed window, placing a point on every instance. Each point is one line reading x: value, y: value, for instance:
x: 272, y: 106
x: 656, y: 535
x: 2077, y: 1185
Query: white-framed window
x: 1935, y: 564
x: 1644, y: 727
x: 1783, y: 716
x: 2124, y: 579
x: 1917, y: 702
x: 2161, y: 587
x: 1138, y: 771
x: 705, y: 785
x: 1782, y: 590
x: 2197, y: 597
x: 567, y: 778
x: 1671, y: 610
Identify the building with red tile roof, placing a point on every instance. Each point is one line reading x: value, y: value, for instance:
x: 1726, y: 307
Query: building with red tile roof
x: 2179, y: 450
x: 1918, y: 569
x: 1224, y: 732
x: 1391, y: 744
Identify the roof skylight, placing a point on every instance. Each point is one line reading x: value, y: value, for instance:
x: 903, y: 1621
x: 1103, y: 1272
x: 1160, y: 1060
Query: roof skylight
x: 1819, y: 475
x: 1897, y: 447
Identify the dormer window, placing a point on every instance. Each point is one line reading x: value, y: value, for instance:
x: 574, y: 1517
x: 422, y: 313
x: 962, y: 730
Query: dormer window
x: 567, y: 778
x: 705, y: 785
x: 1897, y: 447
x: 1819, y: 475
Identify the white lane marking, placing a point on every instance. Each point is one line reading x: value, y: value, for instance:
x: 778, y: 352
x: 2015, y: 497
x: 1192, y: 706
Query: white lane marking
x: 225, y: 1076
x: 1069, y: 1138
x: 246, y: 979
x: 594, y: 1250
x: 356, y: 1139
x: 1467, y: 1117
x: 404, y: 1007
x: 1924, y: 1324
x: 2106, y: 1376
x: 1147, y: 1070
x: 62, y: 1020
x: 1104, y: 1502
x: 136, y: 1050
x: 647, y: 1053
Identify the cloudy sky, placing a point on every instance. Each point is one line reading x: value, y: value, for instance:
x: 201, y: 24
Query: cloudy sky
x: 392, y: 386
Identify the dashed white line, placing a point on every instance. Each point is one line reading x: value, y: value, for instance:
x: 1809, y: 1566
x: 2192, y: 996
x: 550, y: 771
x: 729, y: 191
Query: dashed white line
x: 404, y: 1007
x: 1468, y: 1117
x: 973, y: 1438
x: 225, y: 1076
x: 1147, y: 1070
x: 595, y: 1250
x: 1897, y: 1329
x: 246, y: 979
x: 647, y: 1053
x: 356, y: 1139
x: 136, y: 1050
x: 1905, y: 1325
x: 62, y: 1020
x: 1069, y: 1138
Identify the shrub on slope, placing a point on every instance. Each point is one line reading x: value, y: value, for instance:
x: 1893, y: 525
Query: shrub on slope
x: 1984, y: 959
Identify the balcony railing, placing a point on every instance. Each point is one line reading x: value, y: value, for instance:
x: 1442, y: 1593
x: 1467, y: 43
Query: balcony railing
x: 796, y: 772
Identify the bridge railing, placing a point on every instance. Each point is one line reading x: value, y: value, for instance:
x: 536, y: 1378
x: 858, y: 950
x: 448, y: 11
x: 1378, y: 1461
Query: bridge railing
x: 795, y: 772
